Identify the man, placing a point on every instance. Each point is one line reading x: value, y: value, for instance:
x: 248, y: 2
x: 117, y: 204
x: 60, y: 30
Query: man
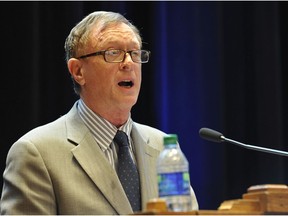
x: 69, y: 166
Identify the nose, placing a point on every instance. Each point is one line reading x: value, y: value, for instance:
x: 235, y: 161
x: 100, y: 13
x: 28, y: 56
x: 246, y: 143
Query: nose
x: 127, y: 62
x: 127, y: 56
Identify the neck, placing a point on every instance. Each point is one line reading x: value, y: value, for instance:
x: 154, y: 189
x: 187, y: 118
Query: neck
x: 115, y: 118
x: 115, y: 115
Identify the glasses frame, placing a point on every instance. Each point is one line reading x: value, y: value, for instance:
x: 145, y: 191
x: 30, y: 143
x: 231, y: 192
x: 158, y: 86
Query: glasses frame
x: 103, y: 52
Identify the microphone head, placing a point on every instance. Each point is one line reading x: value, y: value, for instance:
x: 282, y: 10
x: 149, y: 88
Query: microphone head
x: 211, y: 135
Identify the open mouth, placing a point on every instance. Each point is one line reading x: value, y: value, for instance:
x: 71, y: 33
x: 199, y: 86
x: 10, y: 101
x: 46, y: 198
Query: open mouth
x: 126, y: 83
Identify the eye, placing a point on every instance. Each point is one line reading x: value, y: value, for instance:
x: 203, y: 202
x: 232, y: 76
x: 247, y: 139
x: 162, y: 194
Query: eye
x: 136, y: 54
x: 113, y: 53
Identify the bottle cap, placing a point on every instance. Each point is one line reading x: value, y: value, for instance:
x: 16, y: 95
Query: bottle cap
x: 170, y: 139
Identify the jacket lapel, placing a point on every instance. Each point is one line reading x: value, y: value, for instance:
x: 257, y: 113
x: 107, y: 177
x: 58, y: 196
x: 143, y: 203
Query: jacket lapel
x: 92, y: 160
x: 146, y: 157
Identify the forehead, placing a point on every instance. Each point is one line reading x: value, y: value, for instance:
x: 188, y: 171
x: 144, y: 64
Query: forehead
x: 114, y: 34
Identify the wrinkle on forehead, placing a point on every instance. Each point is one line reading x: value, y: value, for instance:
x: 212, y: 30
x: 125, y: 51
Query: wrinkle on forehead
x: 113, y: 33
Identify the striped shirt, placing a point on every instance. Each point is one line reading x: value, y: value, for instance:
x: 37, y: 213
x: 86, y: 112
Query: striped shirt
x: 104, y: 132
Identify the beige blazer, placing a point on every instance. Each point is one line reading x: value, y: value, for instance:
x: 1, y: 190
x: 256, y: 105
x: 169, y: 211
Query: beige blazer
x: 59, y: 168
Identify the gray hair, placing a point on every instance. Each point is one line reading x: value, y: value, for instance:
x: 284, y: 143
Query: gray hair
x: 79, y: 35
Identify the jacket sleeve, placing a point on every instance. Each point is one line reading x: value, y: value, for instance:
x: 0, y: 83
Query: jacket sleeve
x: 27, y: 187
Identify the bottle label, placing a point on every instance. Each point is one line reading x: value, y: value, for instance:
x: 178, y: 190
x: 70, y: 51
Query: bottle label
x: 171, y: 184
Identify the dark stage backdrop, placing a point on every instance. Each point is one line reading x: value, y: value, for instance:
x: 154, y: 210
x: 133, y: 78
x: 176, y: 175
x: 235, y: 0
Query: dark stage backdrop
x: 221, y: 65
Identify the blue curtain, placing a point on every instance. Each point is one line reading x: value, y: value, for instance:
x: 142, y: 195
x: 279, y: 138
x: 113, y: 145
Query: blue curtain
x: 187, y: 77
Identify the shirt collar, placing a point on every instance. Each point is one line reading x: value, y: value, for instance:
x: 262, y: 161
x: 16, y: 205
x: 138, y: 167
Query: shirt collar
x: 102, y: 130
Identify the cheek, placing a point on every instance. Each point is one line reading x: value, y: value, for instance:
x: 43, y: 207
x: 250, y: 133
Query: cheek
x: 98, y: 77
x: 139, y: 74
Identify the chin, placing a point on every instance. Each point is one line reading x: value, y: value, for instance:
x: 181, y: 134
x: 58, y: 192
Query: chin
x: 130, y: 102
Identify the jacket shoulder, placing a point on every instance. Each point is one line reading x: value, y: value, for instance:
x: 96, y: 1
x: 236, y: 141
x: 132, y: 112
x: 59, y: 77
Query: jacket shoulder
x: 153, y: 136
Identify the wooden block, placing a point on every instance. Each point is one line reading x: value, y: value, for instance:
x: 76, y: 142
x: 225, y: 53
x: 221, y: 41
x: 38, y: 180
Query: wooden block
x: 272, y: 198
x: 156, y: 205
x: 268, y: 187
x: 240, y: 205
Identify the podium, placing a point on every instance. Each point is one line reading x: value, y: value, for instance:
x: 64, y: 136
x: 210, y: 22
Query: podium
x: 268, y: 199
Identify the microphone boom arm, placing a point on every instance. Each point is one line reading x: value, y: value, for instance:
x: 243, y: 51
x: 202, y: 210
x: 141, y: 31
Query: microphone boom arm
x: 262, y: 149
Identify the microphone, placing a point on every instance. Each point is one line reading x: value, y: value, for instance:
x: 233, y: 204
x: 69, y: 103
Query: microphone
x: 216, y: 136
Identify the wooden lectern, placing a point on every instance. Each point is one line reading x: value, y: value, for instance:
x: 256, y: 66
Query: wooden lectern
x: 270, y: 199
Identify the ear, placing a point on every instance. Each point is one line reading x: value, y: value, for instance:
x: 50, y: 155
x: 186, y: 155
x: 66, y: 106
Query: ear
x: 75, y: 69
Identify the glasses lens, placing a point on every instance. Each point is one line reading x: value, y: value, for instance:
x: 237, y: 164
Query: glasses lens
x: 140, y: 56
x: 114, y: 55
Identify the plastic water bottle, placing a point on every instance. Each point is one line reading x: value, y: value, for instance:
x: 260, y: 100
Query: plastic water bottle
x: 173, y: 176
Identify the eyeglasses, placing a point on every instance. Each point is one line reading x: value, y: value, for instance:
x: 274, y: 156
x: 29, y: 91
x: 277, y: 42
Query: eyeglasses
x: 116, y: 56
